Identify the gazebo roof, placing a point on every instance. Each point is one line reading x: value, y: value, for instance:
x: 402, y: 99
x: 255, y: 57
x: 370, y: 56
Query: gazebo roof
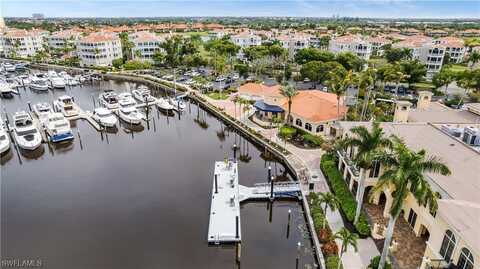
x: 267, y: 108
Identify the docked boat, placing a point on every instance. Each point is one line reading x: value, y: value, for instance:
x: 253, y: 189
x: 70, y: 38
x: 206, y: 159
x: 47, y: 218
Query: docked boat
x: 104, y: 117
x: 56, y: 81
x: 178, y: 105
x: 42, y: 110
x: 23, y: 80
x: 4, y: 138
x: 69, y: 80
x: 164, y: 104
x: 128, y: 111
x: 58, y: 128
x: 109, y: 99
x: 6, y: 91
x: 126, y: 96
x: 20, y: 67
x: 25, y: 133
x: 66, y: 106
x: 39, y: 84
x: 142, y: 94
x: 9, y: 67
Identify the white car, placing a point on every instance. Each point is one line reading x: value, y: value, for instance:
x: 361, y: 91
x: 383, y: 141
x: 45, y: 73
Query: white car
x: 104, y: 117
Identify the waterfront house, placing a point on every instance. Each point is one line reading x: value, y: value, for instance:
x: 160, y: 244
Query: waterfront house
x: 23, y: 43
x: 351, y: 43
x: 145, y: 45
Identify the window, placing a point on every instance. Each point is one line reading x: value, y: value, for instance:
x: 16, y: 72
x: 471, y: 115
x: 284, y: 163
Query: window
x: 375, y: 170
x: 319, y: 128
x: 412, y: 218
x: 298, y: 122
x: 466, y: 259
x: 448, y: 244
x: 308, y: 126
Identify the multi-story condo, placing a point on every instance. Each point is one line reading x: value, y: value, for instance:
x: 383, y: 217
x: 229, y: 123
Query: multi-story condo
x: 99, y: 49
x: 377, y: 43
x: 246, y: 39
x: 469, y: 33
x: 63, y: 39
x: 145, y: 45
x: 23, y: 43
x: 294, y: 42
x: 447, y: 236
x: 351, y: 43
x: 437, y: 33
x: 426, y: 50
x: 454, y: 47
x: 410, y: 32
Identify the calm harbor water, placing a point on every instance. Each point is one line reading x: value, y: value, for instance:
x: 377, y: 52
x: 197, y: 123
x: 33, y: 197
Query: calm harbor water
x: 137, y: 198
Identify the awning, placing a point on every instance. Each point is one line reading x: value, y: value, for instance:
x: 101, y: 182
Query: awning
x: 260, y: 105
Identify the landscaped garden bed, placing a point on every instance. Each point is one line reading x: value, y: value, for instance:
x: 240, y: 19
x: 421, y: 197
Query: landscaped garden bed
x: 348, y: 204
x: 300, y: 138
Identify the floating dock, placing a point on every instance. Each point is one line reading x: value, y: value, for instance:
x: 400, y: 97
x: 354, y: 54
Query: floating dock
x: 224, y: 225
x: 227, y: 194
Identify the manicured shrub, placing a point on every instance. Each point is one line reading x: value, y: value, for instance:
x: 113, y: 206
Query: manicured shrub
x: 331, y: 262
x: 287, y: 132
x: 376, y: 261
x: 324, y: 235
x: 313, y: 140
x: 330, y: 248
x: 348, y: 203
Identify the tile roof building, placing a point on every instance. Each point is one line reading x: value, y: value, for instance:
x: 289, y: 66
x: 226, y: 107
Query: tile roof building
x: 23, y: 43
x: 99, y: 49
x: 145, y: 45
x: 351, y: 43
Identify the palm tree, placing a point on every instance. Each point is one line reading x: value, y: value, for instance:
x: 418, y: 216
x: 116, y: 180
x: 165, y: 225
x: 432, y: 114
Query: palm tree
x: 366, y: 82
x: 474, y: 58
x: 329, y: 201
x: 405, y: 168
x: 348, y: 239
x: 338, y: 85
x: 394, y: 75
x: 368, y: 145
x: 289, y: 92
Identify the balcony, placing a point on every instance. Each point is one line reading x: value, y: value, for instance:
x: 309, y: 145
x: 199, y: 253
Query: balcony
x: 439, y: 264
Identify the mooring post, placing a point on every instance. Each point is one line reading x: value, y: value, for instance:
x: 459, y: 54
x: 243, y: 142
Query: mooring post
x: 288, y: 222
x: 216, y: 184
x: 238, y: 251
x: 236, y: 227
x: 235, y: 152
x: 29, y: 106
x: 269, y: 172
x: 271, y: 188
x: 297, y: 261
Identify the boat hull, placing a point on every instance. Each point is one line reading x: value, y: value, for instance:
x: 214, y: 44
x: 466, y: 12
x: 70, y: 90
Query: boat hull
x: 29, y: 145
x: 4, y: 146
x: 61, y: 137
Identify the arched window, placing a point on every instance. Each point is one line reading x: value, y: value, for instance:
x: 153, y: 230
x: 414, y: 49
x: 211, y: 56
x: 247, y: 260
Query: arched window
x: 308, y: 126
x: 466, y: 259
x: 319, y: 128
x: 448, y: 244
x: 298, y: 122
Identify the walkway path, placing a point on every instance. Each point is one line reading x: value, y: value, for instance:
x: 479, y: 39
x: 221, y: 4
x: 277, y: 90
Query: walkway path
x: 311, y: 159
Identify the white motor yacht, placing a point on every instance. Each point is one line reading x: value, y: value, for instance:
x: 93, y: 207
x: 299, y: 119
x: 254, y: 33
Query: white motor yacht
x: 66, y: 106
x: 178, y: 105
x: 4, y: 138
x: 164, y: 105
x: 69, y: 80
x: 104, y: 117
x: 23, y: 80
x: 9, y: 67
x: 56, y: 81
x: 128, y: 111
x: 126, y: 96
x: 142, y: 94
x: 39, y: 84
x: 6, y: 91
x: 42, y: 110
x: 25, y: 133
x: 109, y: 99
x: 58, y: 128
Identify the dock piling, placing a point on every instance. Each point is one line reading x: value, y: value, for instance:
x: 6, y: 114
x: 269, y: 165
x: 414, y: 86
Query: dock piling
x: 288, y: 222
x: 216, y: 184
x: 271, y: 188
x: 269, y: 172
x: 236, y: 227
x: 29, y: 106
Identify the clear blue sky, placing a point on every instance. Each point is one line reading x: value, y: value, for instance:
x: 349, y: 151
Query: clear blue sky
x: 297, y: 8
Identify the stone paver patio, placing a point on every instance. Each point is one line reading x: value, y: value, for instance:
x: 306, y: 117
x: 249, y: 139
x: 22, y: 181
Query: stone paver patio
x: 410, y: 248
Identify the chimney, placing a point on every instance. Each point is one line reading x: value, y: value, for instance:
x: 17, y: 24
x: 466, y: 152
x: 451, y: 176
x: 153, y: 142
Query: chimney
x: 424, y: 99
x: 402, y: 108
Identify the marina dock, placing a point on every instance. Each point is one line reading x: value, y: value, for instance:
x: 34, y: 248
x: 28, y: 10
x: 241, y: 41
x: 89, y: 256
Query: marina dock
x: 227, y: 194
x: 224, y: 225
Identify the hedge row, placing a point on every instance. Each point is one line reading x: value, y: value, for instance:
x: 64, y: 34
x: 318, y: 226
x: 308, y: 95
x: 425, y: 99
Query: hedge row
x: 325, y: 236
x: 348, y: 203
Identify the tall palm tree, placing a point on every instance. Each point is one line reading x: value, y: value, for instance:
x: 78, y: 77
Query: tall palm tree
x: 474, y: 58
x: 366, y: 82
x: 339, y: 84
x: 289, y: 92
x: 328, y: 200
x: 368, y: 145
x: 348, y: 239
x: 405, y: 168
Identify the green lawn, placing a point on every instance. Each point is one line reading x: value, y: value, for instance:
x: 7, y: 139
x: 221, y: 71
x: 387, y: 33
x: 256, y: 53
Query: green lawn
x: 458, y: 68
x: 193, y: 33
x: 423, y: 85
x: 218, y: 95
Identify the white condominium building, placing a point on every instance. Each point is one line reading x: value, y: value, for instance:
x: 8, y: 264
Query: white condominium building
x: 377, y: 43
x: 99, y: 49
x: 246, y: 39
x: 351, y: 43
x: 294, y: 42
x: 61, y: 39
x: 426, y: 50
x: 454, y: 47
x: 145, y: 45
x: 23, y: 43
